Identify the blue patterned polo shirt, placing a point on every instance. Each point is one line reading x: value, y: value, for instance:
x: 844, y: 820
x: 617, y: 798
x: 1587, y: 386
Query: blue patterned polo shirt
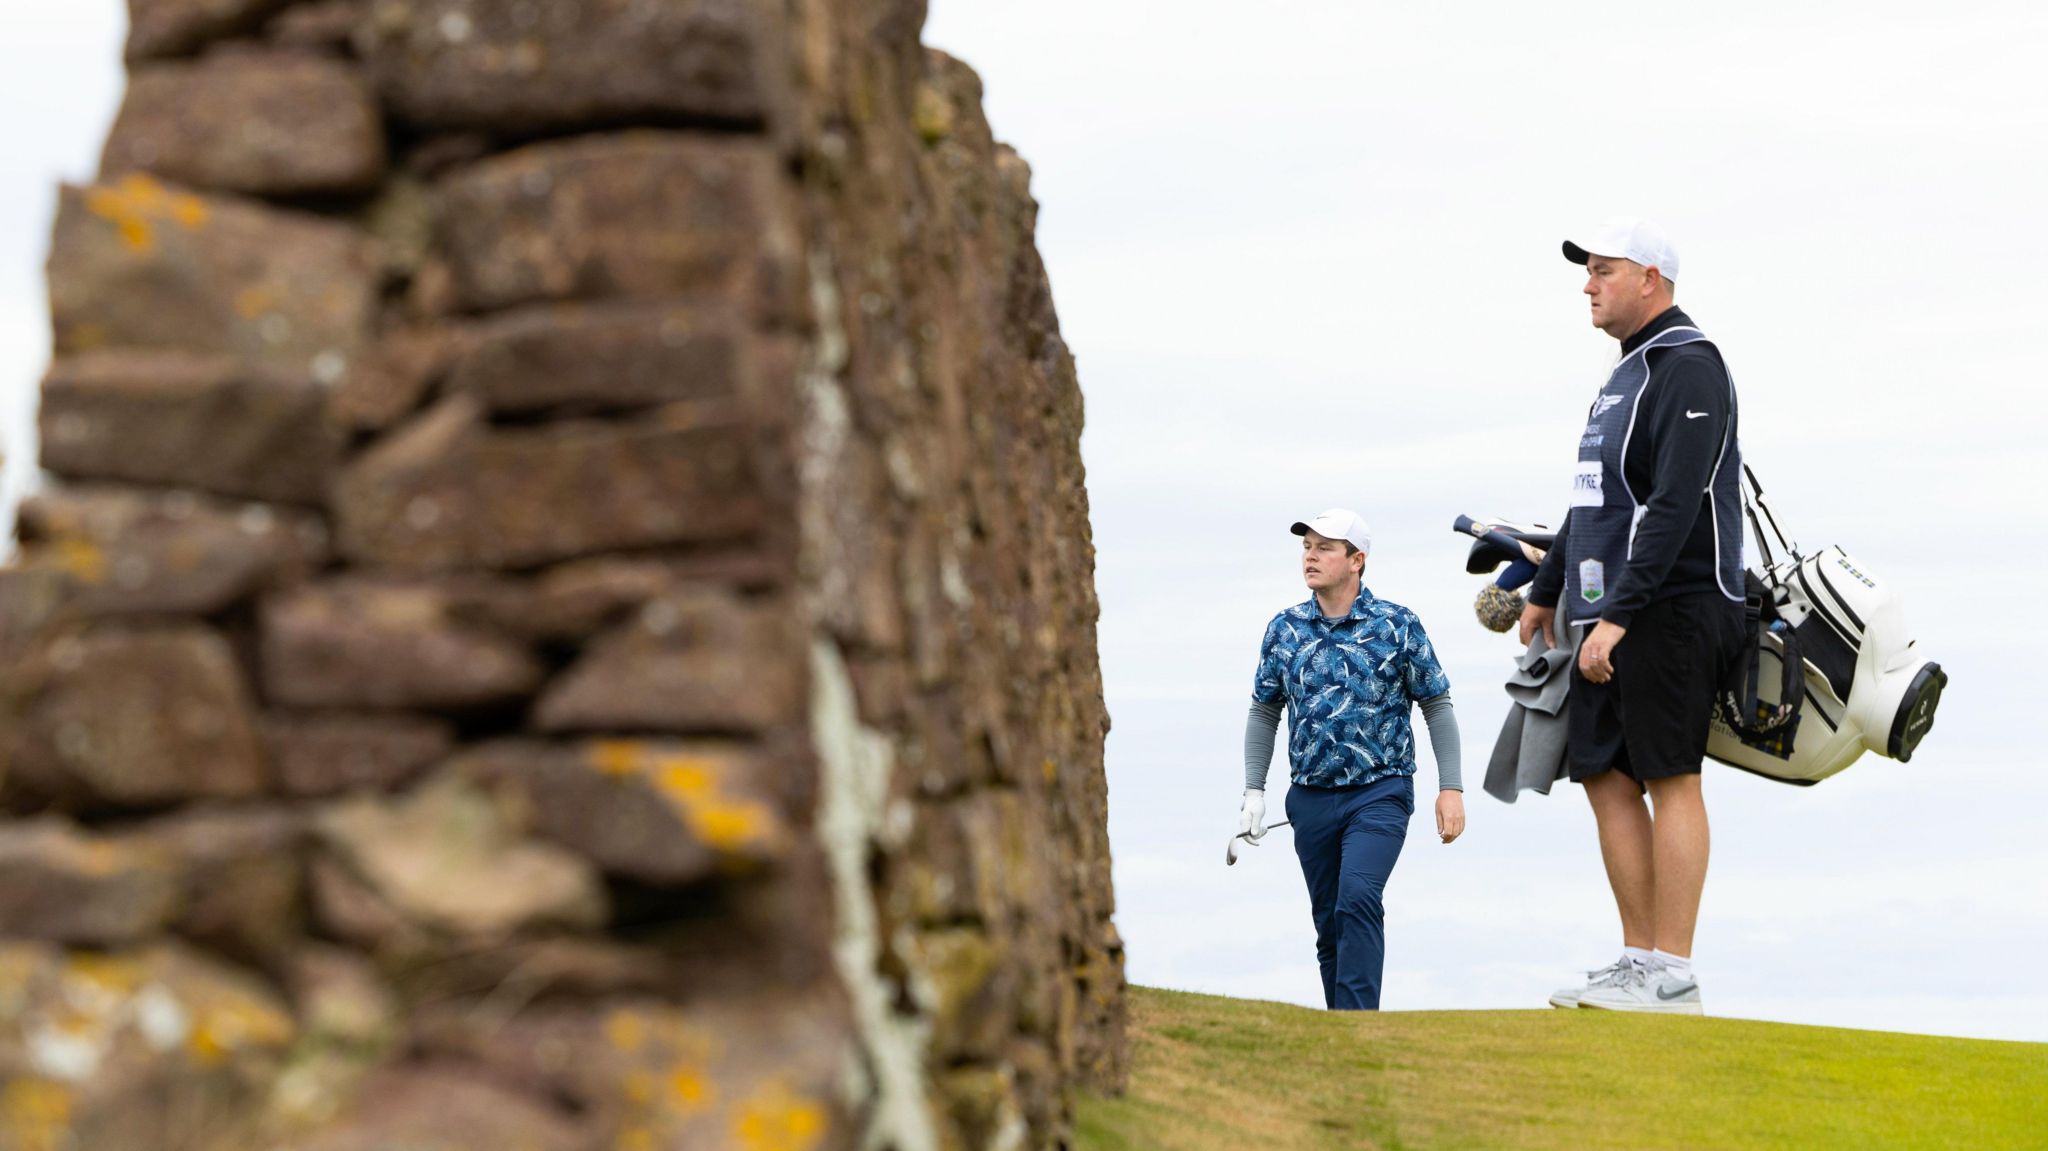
x: 1349, y: 684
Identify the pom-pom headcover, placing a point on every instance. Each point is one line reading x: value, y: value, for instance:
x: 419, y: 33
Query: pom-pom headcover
x: 1498, y: 608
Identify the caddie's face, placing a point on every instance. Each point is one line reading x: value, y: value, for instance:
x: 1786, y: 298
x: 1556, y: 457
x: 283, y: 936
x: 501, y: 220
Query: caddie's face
x: 1621, y: 294
x: 1328, y: 564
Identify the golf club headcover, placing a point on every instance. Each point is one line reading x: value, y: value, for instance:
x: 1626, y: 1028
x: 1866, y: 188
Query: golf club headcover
x: 1498, y: 608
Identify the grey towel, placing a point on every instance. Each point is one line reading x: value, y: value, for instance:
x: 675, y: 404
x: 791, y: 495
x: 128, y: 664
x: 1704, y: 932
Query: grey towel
x: 1529, y: 755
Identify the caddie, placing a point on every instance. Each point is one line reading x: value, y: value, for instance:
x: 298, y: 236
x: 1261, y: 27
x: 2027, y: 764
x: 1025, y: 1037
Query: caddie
x: 1647, y: 569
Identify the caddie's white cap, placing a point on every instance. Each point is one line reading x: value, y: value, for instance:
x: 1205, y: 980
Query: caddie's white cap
x: 1338, y: 524
x: 1627, y: 238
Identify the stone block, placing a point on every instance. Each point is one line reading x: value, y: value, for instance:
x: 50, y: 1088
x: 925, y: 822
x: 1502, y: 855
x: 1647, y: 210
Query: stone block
x: 240, y: 878
x: 142, y: 552
x: 179, y: 27
x: 328, y: 753
x: 447, y: 860
x: 141, y: 264
x: 113, y: 717
x: 65, y: 886
x: 325, y: 27
x: 208, y: 422
x: 361, y: 643
x: 449, y: 492
x: 576, y: 600
x: 634, y: 215
x: 694, y: 661
x: 508, y: 65
x: 661, y: 812
x: 392, y: 378
x: 301, y: 126
x: 605, y: 358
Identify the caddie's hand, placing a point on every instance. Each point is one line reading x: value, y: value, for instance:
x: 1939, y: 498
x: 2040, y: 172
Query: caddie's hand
x: 1596, y: 655
x: 1534, y: 617
x: 1251, y: 815
x: 1450, y: 815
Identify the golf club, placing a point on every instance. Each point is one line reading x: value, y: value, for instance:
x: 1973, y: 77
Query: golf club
x: 1230, y: 853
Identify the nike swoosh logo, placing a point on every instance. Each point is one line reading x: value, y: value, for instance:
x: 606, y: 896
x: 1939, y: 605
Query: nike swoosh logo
x: 1693, y: 415
x: 1686, y: 990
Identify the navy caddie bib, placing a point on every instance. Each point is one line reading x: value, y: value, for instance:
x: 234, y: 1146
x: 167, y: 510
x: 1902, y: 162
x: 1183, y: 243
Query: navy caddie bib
x: 1604, y: 512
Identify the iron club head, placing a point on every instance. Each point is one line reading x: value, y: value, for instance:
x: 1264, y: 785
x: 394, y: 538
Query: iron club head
x: 1230, y: 852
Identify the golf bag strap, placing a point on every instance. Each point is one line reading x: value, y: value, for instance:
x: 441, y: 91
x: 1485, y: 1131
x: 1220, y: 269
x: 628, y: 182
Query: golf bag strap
x: 1760, y: 513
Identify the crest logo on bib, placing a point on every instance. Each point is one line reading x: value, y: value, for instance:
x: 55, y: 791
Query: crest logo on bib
x: 1592, y: 580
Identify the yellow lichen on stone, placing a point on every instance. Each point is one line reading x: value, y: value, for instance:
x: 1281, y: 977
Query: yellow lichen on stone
x: 688, y: 1090
x: 625, y: 1031
x: 81, y: 559
x: 138, y: 204
x: 690, y: 787
x: 104, y: 973
x: 635, y: 1139
x: 188, y: 211
x: 206, y: 1046
x: 687, y: 778
x: 222, y: 1029
x: 777, y: 1119
x: 35, y: 1115
x: 617, y: 758
x: 729, y: 826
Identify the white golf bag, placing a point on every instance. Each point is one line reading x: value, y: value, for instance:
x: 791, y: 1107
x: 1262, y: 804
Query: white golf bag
x: 1860, y: 684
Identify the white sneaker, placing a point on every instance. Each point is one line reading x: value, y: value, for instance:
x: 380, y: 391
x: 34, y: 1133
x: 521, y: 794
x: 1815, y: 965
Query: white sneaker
x: 1658, y: 991
x: 1605, y: 977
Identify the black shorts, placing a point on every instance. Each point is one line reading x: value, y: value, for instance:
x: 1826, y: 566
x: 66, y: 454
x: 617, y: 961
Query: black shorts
x: 1649, y: 720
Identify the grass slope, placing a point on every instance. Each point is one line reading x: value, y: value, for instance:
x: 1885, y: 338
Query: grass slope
x: 1209, y: 1072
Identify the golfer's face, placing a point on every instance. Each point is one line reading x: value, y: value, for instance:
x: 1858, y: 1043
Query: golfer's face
x: 1325, y: 564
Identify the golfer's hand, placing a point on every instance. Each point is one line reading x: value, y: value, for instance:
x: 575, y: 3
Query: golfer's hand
x: 1450, y: 815
x: 1533, y: 618
x: 1596, y: 655
x: 1251, y: 815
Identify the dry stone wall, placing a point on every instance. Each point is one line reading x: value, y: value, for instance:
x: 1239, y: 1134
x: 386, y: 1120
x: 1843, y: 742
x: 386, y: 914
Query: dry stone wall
x: 564, y: 616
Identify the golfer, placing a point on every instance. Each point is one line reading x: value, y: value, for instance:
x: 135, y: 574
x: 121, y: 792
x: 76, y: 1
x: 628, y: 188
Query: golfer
x: 1350, y: 667
x: 1648, y: 567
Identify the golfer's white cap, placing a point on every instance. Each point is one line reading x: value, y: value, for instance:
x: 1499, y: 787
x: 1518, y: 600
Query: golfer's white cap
x: 1627, y: 238
x: 1338, y: 524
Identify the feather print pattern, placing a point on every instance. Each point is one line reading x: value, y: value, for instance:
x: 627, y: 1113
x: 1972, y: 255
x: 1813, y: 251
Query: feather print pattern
x: 1349, y: 685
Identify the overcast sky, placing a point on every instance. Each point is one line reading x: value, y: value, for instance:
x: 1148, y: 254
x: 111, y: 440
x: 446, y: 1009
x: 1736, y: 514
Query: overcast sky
x: 1307, y: 254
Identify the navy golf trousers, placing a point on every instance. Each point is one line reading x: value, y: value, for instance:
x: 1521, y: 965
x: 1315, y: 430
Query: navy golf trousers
x: 1348, y: 839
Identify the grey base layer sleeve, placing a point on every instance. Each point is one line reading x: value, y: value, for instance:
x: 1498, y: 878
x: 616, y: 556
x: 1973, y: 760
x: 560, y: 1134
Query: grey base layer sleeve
x: 1443, y: 736
x: 1264, y: 720
x: 1259, y: 727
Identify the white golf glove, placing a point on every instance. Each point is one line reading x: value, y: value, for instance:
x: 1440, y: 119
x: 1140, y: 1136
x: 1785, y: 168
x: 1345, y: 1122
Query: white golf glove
x: 1251, y: 817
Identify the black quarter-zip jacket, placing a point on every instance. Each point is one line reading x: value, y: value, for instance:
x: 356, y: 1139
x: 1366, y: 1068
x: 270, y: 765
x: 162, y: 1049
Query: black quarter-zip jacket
x: 1667, y: 466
